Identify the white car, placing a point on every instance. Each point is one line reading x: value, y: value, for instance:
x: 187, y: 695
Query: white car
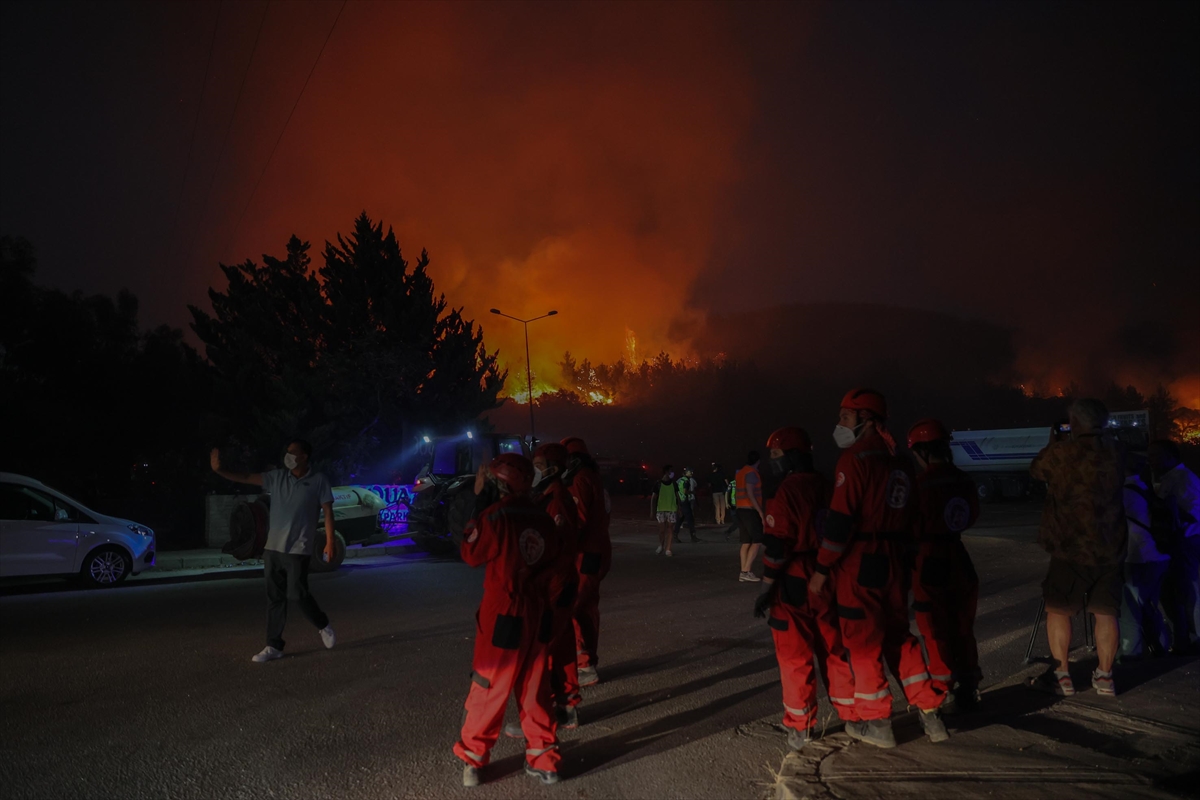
x: 44, y: 532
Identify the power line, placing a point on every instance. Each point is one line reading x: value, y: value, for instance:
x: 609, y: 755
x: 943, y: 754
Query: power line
x: 295, y: 105
x: 225, y: 139
x: 187, y: 171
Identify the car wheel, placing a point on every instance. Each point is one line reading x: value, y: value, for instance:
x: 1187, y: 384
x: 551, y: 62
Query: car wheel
x: 984, y: 488
x: 106, y: 567
x: 319, y: 564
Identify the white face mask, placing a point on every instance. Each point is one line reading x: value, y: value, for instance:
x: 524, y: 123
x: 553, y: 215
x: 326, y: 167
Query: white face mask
x: 845, y: 437
x: 538, y: 475
x: 290, y: 461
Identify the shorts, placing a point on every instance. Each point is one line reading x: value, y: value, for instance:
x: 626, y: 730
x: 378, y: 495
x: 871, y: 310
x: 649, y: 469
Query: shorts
x: 665, y: 516
x: 1069, y: 587
x: 750, y: 526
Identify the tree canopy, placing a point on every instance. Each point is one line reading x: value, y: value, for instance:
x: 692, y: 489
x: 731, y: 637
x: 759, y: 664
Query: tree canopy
x: 356, y: 356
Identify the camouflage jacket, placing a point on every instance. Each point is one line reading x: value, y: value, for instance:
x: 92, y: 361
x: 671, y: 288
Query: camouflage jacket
x: 1084, y: 517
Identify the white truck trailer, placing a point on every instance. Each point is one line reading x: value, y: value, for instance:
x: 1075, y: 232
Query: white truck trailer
x: 999, y: 459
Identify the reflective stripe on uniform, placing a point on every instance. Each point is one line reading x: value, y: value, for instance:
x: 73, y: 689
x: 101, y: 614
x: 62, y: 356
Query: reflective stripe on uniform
x: 882, y: 693
x: 924, y: 676
x: 472, y: 756
x: 543, y: 751
x: 799, y: 712
x: 832, y: 546
x: 940, y: 677
x: 845, y: 701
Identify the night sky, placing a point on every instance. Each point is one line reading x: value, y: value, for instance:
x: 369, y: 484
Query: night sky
x: 637, y: 166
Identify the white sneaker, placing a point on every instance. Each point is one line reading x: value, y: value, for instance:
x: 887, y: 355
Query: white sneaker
x: 471, y: 777
x: 741, y: 576
x: 658, y: 551
x: 750, y: 576
x: 268, y: 654
x: 327, y: 637
x: 668, y: 552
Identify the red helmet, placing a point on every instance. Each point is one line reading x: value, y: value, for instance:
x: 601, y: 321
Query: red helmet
x: 515, y: 470
x: 790, y: 438
x: 554, y: 453
x: 927, y: 430
x: 575, y: 445
x: 866, y: 400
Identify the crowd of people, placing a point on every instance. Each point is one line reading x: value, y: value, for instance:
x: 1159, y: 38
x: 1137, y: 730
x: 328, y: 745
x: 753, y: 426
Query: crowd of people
x: 841, y: 560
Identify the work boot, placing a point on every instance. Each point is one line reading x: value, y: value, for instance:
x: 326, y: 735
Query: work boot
x: 470, y: 776
x: 875, y: 731
x: 544, y: 775
x: 797, y: 739
x: 588, y: 675
x: 513, y: 731
x: 935, y: 729
x: 567, y: 717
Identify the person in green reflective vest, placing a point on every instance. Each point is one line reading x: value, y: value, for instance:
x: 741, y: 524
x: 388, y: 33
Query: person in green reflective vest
x: 666, y: 508
x: 685, y: 490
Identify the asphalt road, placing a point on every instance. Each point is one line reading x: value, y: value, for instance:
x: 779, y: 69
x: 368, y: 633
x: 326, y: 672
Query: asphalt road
x: 148, y: 690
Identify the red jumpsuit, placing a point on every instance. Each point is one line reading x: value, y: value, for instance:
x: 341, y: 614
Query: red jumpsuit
x: 869, y: 526
x: 804, y: 625
x: 945, y: 586
x: 556, y: 501
x: 595, y: 557
x: 519, y: 544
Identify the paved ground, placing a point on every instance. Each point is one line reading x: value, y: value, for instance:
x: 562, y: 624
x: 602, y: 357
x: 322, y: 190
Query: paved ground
x: 148, y: 691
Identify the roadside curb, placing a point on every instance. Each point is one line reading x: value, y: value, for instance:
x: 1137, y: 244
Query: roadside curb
x: 215, y: 559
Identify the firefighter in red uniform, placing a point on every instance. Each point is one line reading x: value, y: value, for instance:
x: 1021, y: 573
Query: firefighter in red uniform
x: 595, y: 557
x: 804, y: 625
x: 945, y: 586
x: 519, y: 544
x: 550, y: 495
x: 863, y: 554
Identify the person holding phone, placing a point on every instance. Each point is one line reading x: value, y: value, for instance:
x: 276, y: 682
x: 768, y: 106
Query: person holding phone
x: 296, y: 494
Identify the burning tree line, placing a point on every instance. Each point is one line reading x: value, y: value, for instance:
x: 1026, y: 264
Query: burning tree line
x: 721, y: 385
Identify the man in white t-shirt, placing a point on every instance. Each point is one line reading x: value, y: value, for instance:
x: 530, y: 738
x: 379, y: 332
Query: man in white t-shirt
x: 297, y: 495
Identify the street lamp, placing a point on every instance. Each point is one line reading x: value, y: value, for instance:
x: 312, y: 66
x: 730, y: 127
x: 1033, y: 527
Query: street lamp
x: 528, y: 365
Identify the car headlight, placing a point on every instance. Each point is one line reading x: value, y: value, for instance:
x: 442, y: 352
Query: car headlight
x: 141, y: 529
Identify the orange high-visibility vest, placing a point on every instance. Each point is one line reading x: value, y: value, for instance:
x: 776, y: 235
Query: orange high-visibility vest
x: 741, y: 492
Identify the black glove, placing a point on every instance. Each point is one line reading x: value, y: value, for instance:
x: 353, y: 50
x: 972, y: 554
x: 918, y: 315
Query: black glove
x: 762, y: 603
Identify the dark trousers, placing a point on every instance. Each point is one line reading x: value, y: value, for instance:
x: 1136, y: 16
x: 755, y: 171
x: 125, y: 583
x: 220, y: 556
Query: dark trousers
x: 287, y: 579
x: 686, y: 516
x: 1142, y: 622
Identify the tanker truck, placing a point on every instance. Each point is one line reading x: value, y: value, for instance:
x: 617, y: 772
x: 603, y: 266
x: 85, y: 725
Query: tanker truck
x: 998, y: 459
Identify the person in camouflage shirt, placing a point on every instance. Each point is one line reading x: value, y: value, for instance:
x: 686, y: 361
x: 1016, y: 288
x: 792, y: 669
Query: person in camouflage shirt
x: 1083, y: 529
x: 1083, y: 520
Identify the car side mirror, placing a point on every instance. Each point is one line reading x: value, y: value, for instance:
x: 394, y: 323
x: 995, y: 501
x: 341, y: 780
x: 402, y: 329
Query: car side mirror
x: 61, y: 515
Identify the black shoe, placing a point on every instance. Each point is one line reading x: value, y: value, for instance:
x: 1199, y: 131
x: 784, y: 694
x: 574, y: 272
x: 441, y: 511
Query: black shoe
x: 545, y: 776
x: 963, y: 700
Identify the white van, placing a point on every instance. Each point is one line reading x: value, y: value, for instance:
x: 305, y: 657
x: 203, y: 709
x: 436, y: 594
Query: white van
x: 44, y: 532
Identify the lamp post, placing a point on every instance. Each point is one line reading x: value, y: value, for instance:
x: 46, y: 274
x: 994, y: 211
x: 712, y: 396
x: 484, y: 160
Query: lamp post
x: 528, y: 365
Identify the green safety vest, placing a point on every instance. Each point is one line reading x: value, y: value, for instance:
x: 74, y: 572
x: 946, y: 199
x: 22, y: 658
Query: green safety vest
x: 666, y: 500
